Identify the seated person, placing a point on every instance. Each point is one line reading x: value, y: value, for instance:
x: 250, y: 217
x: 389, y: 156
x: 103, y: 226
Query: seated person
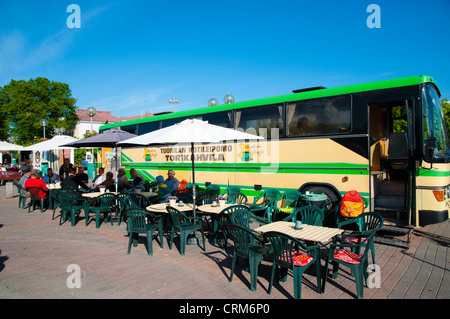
x: 163, y: 191
x: 50, y: 177
x: 137, y: 178
x: 74, y: 181
x: 65, y: 168
x: 35, y: 181
x: 82, y: 175
x: 109, y: 183
x: 171, y: 181
x: 100, y: 178
x: 23, y: 179
x: 123, y: 180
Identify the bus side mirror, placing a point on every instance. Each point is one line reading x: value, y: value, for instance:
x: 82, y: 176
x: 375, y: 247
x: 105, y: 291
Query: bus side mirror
x: 430, y: 146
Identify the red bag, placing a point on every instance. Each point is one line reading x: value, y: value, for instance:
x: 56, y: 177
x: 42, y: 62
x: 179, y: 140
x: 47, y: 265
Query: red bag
x: 352, y: 204
x: 182, y: 186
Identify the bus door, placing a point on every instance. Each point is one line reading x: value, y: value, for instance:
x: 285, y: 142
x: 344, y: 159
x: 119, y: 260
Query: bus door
x: 391, y: 143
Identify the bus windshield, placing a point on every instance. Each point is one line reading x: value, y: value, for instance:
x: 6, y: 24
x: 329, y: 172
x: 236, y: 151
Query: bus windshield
x: 434, y: 124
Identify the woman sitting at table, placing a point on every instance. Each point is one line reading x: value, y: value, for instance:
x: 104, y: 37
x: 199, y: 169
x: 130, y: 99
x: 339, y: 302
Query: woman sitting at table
x: 109, y: 183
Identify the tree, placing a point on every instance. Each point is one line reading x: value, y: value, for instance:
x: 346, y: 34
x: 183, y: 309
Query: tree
x: 24, y: 103
x: 446, y: 108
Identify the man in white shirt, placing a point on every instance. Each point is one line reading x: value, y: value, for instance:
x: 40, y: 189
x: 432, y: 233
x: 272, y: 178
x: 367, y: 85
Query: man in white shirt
x: 100, y: 178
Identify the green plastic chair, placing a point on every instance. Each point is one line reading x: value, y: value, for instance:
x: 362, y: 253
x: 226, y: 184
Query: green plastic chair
x: 205, y: 198
x: 35, y: 198
x: 222, y: 219
x: 185, y: 198
x: 121, y: 207
x: 213, y: 189
x: 266, y: 202
x: 142, y: 221
x: 339, y: 218
x: 70, y: 207
x: 343, y: 253
x: 137, y: 200
x: 291, y: 253
x: 101, y: 204
x: 242, y: 216
x: 54, y: 200
x: 289, y: 201
x: 231, y: 190
x: 130, y: 200
x: 237, y: 198
x: 371, y: 221
x: 184, y: 226
x: 22, y: 199
x: 310, y: 215
x: 248, y: 246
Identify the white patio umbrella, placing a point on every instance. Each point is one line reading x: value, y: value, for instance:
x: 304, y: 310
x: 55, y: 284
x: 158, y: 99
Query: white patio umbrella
x: 9, y: 147
x: 190, y: 131
x: 54, y: 143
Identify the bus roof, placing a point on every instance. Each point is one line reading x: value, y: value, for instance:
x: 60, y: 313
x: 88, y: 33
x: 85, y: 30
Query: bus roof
x: 322, y: 93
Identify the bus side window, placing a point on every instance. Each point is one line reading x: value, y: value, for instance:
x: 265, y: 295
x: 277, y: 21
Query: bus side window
x: 261, y: 120
x: 328, y: 116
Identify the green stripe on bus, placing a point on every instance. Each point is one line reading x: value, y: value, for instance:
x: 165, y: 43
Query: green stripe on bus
x: 292, y: 168
x: 430, y: 173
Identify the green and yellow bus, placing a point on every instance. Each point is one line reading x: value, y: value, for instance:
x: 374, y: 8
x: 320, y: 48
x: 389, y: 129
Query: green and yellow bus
x: 386, y: 139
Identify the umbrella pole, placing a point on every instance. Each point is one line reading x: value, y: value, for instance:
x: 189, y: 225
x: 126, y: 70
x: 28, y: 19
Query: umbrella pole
x: 117, y: 174
x: 194, y: 240
x: 193, y: 178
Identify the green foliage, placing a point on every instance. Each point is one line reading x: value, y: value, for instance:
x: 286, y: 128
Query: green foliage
x: 80, y: 153
x: 24, y: 103
x: 399, y: 119
x: 446, y: 108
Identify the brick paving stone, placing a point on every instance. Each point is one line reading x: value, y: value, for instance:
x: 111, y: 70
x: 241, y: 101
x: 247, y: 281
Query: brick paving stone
x: 35, y: 252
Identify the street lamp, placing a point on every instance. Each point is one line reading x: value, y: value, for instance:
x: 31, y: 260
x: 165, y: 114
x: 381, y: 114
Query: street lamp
x: 212, y: 102
x: 91, y: 111
x: 228, y: 99
x: 174, y: 100
x: 44, y: 123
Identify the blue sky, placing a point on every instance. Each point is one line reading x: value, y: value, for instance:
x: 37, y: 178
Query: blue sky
x: 131, y: 56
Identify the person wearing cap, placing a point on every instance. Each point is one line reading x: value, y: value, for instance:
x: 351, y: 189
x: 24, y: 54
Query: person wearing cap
x: 171, y: 181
